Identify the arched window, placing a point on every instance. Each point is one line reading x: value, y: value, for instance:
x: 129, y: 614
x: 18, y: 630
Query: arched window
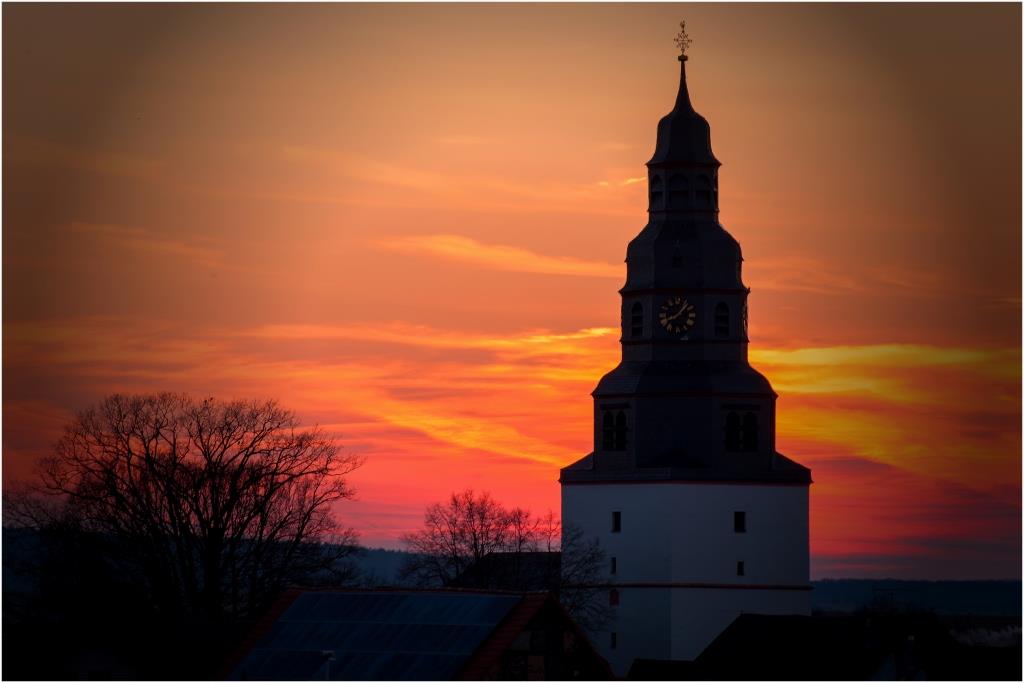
x: 732, y: 433
x: 678, y: 191
x: 677, y: 257
x: 721, y: 319
x: 656, y: 192
x: 636, y: 320
x: 620, y: 431
x: 703, y: 191
x: 749, y: 437
x: 608, y: 431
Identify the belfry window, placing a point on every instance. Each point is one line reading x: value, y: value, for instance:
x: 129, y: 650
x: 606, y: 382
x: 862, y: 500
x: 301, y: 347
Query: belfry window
x: 620, y: 431
x: 678, y: 192
x: 749, y: 437
x: 656, y: 192
x: 614, y: 429
x: 608, y: 431
x: 741, y: 432
x: 732, y: 432
x: 703, y: 191
x: 721, y: 319
x: 636, y: 320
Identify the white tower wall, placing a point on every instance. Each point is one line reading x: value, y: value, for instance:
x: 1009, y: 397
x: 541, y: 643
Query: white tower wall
x: 676, y: 560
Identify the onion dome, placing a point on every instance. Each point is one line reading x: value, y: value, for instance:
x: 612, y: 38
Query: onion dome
x: 684, y: 136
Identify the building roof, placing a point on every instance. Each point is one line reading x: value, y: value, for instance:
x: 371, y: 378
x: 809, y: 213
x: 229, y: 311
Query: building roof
x: 661, y: 377
x: 387, y: 634
x: 796, y: 647
x: 864, y: 646
x: 781, y: 471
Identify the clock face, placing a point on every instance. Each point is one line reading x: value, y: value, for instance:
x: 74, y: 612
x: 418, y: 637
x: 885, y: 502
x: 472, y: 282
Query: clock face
x: 677, y: 315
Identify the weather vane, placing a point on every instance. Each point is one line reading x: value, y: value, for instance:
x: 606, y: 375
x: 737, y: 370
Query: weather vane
x: 682, y: 40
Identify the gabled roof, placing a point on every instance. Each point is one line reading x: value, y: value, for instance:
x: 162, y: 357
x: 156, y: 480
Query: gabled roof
x: 389, y: 634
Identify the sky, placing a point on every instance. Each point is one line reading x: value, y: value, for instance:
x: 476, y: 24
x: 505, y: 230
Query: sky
x: 407, y: 223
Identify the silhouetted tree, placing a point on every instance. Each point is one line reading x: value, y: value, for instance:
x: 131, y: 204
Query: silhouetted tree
x: 583, y: 590
x: 214, y: 505
x: 473, y: 541
x: 456, y: 535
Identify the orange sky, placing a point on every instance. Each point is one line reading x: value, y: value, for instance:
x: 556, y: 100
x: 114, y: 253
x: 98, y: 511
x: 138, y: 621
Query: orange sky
x: 408, y: 224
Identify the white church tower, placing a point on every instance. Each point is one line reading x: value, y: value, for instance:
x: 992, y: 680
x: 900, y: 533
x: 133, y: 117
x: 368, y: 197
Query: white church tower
x: 699, y: 517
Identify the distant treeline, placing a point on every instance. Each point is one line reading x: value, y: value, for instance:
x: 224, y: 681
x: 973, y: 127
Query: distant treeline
x: 380, y: 567
x: 980, y: 598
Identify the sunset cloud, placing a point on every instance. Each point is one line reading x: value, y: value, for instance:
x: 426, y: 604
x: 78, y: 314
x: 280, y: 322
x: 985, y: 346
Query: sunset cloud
x: 23, y: 149
x: 147, y: 242
x: 625, y: 182
x: 891, y: 373
x: 500, y: 256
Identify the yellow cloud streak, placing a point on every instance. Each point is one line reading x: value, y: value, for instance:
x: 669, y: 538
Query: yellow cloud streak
x: 882, y: 371
x: 886, y: 355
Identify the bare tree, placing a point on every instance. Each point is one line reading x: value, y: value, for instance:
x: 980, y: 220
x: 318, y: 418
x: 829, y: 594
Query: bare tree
x: 524, y: 531
x: 474, y: 541
x: 456, y: 535
x: 217, y: 505
x: 583, y: 580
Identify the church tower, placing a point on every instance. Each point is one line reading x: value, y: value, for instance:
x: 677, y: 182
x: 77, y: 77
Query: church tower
x: 699, y: 517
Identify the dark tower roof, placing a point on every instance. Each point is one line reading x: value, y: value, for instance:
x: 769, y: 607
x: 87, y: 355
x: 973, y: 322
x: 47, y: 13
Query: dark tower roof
x: 684, y: 136
x: 684, y: 403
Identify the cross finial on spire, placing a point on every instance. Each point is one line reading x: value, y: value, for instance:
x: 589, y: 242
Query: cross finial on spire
x: 682, y: 40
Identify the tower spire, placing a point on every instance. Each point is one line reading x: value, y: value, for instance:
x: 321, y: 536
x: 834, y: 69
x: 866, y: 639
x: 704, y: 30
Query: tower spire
x: 683, y: 42
x: 684, y: 137
x: 683, y: 96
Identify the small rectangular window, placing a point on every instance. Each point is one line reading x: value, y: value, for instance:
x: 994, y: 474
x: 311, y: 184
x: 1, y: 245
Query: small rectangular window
x: 740, y: 568
x: 613, y: 598
x: 616, y: 522
x: 614, y: 640
x: 615, y: 566
x: 739, y: 522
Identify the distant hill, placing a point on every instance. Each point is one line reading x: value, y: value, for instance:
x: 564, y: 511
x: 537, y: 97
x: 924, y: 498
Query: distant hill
x: 978, y: 598
x: 380, y: 566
